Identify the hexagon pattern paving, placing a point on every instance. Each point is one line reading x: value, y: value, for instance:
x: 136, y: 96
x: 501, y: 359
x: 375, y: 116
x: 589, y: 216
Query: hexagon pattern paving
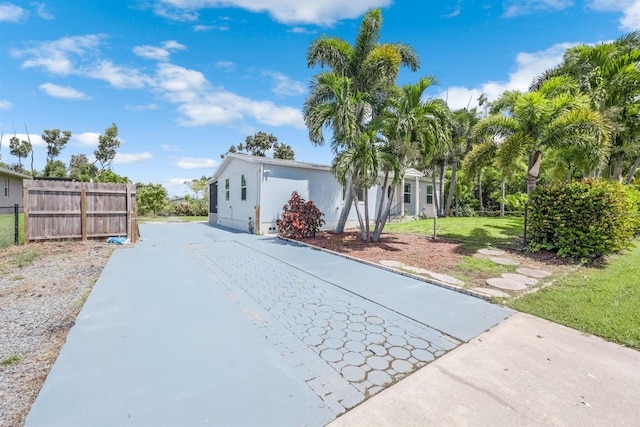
x: 345, y: 347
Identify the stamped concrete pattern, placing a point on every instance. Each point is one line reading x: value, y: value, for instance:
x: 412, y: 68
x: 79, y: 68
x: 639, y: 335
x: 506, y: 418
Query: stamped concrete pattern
x: 345, y: 348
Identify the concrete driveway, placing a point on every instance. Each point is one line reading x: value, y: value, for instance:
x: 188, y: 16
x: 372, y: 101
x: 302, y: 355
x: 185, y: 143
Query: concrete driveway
x: 197, y: 325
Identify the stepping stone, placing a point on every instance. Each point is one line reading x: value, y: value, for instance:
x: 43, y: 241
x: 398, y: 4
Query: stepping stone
x: 492, y: 252
x: 510, y: 285
x: 416, y: 270
x: 504, y: 261
x: 391, y: 263
x: 520, y: 278
x: 446, y: 279
x: 491, y: 292
x: 532, y: 272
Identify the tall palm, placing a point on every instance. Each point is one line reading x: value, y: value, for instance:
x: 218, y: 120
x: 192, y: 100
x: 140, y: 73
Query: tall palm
x: 372, y: 69
x: 414, y: 127
x: 554, y: 116
x: 609, y: 74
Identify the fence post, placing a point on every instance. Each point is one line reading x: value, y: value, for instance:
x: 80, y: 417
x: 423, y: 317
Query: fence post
x: 25, y: 209
x: 16, y: 222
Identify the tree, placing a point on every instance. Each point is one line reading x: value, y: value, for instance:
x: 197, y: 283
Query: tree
x: 20, y: 149
x: 367, y: 70
x: 553, y: 117
x: 56, y: 141
x: 108, y: 175
x: 199, y: 186
x: 80, y: 169
x: 261, y: 142
x: 151, y: 198
x: 463, y: 121
x: 107, y: 147
x: 55, y: 169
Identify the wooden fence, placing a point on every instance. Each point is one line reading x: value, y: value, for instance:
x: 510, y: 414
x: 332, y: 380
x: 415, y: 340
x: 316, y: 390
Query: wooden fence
x: 79, y: 210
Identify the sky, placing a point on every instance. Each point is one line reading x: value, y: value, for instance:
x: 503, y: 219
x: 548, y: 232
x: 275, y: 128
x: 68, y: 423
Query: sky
x: 185, y: 79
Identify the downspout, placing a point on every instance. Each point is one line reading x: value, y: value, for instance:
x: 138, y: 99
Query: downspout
x: 258, y: 196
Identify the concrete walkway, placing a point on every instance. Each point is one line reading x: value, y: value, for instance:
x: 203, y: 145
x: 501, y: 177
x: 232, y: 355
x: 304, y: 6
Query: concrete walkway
x: 524, y: 372
x: 197, y: 325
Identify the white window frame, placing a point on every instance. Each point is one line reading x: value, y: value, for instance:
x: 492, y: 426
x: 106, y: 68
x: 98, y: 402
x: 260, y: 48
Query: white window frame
x: 407, y: 193
x: 429, y: 195
x: 6, y: 187
x: 227, y: 189
x: 243, y: 187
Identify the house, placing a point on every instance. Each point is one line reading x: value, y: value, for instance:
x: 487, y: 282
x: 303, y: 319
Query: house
x: 11, y: 187
x: 248, y: 192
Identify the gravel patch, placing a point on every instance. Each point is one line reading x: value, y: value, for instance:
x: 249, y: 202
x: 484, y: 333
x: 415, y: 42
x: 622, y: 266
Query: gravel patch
x: 42, y: 288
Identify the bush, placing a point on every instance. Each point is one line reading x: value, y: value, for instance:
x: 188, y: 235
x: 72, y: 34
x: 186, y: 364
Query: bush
x: 299, y: 219
x: 190, y: 207
x: 582, y: 220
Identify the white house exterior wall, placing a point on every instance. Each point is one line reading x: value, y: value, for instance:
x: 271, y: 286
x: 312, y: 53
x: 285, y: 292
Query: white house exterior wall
x: 12, y: 186
x: 235, y: 213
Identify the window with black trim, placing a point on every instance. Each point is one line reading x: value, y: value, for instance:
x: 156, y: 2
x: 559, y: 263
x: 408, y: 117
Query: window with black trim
x: 6, y: 187
x: 429, y: 194
x: 407, y: 192
x: 226, y: 189
x: 243, y: 187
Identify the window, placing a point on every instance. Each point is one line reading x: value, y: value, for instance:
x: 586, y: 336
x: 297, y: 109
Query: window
x: 6, y: 187
x: 407, y: 193
x: 243, y: 187
x: 226, y: 189
x: 429, y: 194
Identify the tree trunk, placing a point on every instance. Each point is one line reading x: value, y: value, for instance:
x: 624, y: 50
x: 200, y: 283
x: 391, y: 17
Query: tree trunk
x: 481, y: 206
x: 452, y: 187
x: 442, y: 169
x: 346, y: 207
x: 378, y: 233
x: 633, y: 169
x: 503, y: 196
x: 380, y: 219
x: 617, y: 167
x: 436, y: 200
x: 366, y: 215
x: 531, y: 183
x: 358, y: 213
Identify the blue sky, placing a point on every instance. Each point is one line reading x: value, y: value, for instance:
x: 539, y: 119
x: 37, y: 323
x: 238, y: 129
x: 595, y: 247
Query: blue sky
x: 185, y: 79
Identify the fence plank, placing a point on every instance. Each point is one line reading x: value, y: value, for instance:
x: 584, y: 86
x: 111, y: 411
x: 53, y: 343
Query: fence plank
x: 63, y: 209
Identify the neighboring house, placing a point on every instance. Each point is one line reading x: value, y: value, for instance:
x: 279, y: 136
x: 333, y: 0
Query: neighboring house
x: 11, y: 187
x: 252, y: 190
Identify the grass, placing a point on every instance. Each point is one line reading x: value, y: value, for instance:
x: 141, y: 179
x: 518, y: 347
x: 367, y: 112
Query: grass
x: 472, y: 267
x: 7, y: 229
x: 507, y: 231
x: 26, y: 257
x: 10, y: 360
x: 602, y: 301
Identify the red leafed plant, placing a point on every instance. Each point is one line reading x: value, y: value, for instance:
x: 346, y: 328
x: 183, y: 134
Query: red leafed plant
x: 299, y: 219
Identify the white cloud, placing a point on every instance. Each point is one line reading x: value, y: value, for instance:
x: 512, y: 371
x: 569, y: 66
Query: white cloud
x: 36, y: 140
x: 528, y: 67
x: 324, y: 13
x: 5, y: 105
x: 116, y: 76
x: 225, y: 65
x: 147, y: 107
x: 630, y: 9
x: 86, y: 139
x: 196, y: 163
x: 158, y: 53
x: 525, y: 7
x: 301, y: 30
x: 57, y: 57
x: 41, y: 10
x: 168, y: 147
x: 132, y: 157
x: 284, y: 85
x: 66, y: 92
x: 9, y: 12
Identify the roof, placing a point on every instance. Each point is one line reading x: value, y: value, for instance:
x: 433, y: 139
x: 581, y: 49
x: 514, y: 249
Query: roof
x: 229, y: 157
x: 14, y: 174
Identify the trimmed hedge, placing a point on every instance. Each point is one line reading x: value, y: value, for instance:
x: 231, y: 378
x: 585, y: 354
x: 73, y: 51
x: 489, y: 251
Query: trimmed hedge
x: 583, y: 220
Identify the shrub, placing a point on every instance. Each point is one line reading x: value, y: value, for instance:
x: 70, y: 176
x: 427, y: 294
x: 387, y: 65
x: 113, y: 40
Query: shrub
x: 581, y: 220
x: 299, y: 219
x: 190, y: 207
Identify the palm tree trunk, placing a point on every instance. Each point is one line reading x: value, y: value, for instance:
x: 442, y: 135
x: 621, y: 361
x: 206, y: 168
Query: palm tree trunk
x: 452, y: 187
x: 531, y: 183
x: 436, y: 199
x: 360, y: 221
x: 366, y: 215
x: 502, y: 197
x: 442, y: 169
x: 381, y: 203
x: 632, y: 171
x: 387, y: 211
x: 346, y: 207
x: 617, y: 167
x: 481, y: 206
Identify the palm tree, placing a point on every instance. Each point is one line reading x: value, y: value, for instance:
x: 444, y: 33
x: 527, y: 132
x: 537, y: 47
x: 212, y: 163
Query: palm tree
x: 608, y: 73
x: 414, y: 128
x: 554, y: 116
x: 371, y: 68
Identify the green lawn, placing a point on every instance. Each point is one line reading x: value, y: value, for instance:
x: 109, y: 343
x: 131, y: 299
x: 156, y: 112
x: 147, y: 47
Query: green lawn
x: 602, y: 301
x: 506, y: 231
x: 7, y: 229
